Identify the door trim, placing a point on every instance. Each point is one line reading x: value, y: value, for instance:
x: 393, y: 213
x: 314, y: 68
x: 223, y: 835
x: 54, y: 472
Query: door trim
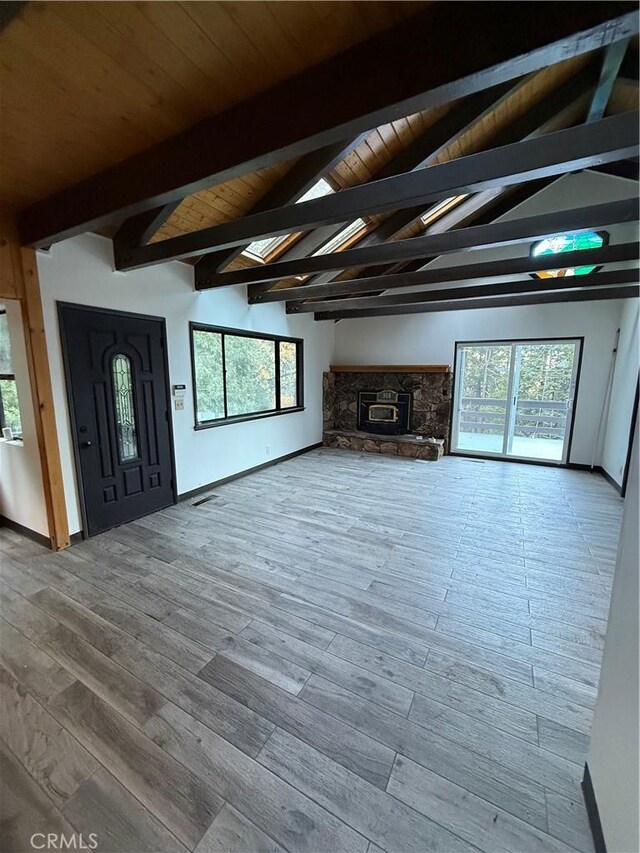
x: 60, y: 306
x: 503, y: 342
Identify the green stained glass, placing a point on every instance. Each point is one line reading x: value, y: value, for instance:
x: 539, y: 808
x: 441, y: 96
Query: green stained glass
x: 572, y: 242
x: 125, y: 409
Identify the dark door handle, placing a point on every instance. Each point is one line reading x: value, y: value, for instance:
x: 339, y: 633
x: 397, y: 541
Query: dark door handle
x: 85, y: 444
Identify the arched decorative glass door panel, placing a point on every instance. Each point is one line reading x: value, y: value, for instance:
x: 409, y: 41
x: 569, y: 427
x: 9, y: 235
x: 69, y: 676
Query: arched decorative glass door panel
x: 126, y: 427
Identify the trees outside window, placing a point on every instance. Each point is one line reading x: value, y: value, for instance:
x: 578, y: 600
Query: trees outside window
x: 9, y: 410
x: 239, y: 375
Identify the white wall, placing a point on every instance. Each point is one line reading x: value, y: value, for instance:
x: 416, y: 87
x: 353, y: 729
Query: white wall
x: 614, y: 748
x: 80, y: 270
x: 430, y: 338
x: 623, y: 391
x: 21, y: 490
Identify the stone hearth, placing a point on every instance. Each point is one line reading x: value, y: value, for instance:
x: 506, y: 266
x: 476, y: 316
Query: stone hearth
x: 393, y: 445
x: 430, y: 415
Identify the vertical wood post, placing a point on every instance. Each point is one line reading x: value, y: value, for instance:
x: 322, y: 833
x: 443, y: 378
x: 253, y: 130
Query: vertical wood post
x: 20, y: 281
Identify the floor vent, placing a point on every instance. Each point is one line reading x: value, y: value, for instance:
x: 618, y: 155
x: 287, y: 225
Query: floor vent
x: 204, y: 500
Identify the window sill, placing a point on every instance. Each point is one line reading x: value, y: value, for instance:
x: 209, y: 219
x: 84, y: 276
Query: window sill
x: 18, y: 441
x: 238, y: 419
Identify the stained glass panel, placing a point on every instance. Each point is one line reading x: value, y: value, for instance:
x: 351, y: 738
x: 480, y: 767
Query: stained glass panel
x: 126, y: 430
x: 567, y: 243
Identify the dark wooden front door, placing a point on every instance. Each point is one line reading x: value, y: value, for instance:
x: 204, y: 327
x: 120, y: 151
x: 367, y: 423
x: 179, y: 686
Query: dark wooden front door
x: 117, y: 385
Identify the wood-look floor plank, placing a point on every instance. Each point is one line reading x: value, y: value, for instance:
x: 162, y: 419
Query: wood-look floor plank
x: 415, y: 635
x: 340, y: 670
x: 201, y: 602
x: 178, y: 798
x: 232, y: 832
x: 132, y: 697
x: 103, y: 806
x: 248, y: 598
x: 568, y: 820
x: 562, y: 686
x: 372, y: 812
x: 522, y: 757
x: 34, y: 669
x: 118, y: 586
x: 50, y: 573
x: 53, y: 758
x: 353, y: 749
x: 282, y: 672
x: 470, y: 817
x: 161, y: 676
x: 393, y: 644
x: 278, y: 809
x: 481, y: 588
x: 26, y: 810
x: 157, y: 636
x: 524, y: 696
x: 568, y: 648
x: 577, y: 670
x: 495, y: 782
x: 570, y: 744
x: 443, y: 690
x: 12, y: 574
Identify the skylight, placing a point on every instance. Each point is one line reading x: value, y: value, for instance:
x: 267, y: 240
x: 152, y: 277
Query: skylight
x: 261, y: 250
x: 570, y: 242
x: 347, y: 234
x: 440, y: 209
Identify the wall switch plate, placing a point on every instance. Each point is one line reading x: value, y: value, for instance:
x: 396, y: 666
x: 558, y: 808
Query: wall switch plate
x: 179, y: 404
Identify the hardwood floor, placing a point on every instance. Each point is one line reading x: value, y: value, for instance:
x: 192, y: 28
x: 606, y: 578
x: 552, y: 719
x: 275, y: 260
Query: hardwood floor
x: 340, y: 653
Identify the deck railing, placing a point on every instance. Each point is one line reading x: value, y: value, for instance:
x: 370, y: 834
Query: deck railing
x: 534, y: 418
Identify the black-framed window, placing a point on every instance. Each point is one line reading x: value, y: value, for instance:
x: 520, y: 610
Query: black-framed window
x: 240, y: 375
x: 9, y: 410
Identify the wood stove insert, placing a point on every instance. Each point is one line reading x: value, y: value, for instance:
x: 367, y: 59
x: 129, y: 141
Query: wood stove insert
x: 384, y: 412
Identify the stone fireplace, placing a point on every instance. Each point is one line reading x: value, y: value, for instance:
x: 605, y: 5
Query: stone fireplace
x: 391, y: 409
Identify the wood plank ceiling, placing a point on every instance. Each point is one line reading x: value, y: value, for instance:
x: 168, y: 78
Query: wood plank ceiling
x: 84, y: 86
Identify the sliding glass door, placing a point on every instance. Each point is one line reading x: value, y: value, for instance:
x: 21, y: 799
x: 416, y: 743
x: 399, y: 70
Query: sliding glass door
x: 514, y: 399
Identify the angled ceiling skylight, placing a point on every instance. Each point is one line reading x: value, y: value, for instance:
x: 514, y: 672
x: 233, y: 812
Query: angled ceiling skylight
x: 441, y: 208
x: 345, y: 236
x: 262, y: 250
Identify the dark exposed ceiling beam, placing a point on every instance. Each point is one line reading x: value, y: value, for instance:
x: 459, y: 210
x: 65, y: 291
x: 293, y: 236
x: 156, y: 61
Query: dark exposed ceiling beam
x: 628, y: 169
x: 296, y: 297
x: 298, y: 180
x: 419, y: 153
x: 607, y: 140
x: 503, y: 288
x: 474, y: 237
x: 374, y: 82
x: 535, y: 122
x: 479, y: 209
x: 611, y: 62
x: 570, y: 294
x: 138, y: 230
